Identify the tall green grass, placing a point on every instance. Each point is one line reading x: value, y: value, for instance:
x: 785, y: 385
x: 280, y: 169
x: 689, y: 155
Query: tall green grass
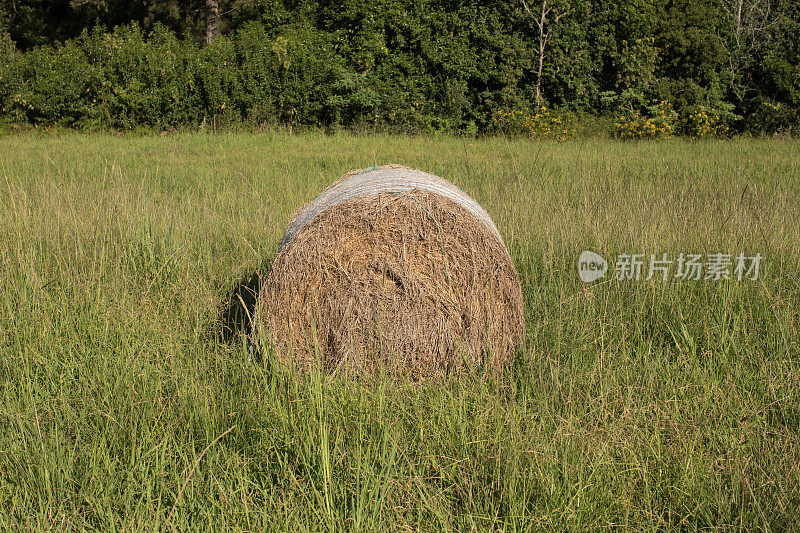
x: 646, y: 405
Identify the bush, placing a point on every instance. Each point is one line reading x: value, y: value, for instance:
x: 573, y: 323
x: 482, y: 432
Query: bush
x: 145, y: 82
x: 217, y: 84
x: 773, y: 118
x: 57, y: 86
x: 660, y: 124
x: 303, y: 68
x: 703, y: 122
x: 8, y: 75
x: 257, y: 73
x: 541, y: 123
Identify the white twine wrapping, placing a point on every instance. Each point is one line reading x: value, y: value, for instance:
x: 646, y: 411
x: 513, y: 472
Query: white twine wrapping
x: 399, y: 180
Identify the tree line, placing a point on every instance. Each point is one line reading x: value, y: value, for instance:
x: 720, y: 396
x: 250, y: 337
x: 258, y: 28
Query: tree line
x: 412, y: 65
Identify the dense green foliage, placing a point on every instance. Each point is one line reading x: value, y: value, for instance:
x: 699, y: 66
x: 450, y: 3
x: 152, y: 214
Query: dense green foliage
x: 414, y: 65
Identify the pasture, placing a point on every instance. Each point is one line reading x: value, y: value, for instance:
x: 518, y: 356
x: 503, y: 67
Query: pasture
x: 643, y: 404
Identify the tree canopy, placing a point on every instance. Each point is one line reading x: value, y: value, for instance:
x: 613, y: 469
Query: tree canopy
x: 414, y: 64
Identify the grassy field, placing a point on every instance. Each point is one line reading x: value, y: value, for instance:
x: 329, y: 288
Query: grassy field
x: 643, y: 404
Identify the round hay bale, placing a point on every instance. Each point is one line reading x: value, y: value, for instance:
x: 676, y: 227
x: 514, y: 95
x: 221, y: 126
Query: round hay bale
x: 395, y: 268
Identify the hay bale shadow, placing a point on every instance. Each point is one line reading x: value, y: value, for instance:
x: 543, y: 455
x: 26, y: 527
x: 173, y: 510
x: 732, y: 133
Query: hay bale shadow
x: 238, y: 309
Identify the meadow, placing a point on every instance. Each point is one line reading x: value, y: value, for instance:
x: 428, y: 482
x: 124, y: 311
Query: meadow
x: 649, y: 404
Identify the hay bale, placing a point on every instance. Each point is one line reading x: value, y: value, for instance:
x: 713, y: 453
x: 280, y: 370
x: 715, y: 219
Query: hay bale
x: 393, y: 267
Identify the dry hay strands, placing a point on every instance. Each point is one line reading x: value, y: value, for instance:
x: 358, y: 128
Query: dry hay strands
x: 408, y: 274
